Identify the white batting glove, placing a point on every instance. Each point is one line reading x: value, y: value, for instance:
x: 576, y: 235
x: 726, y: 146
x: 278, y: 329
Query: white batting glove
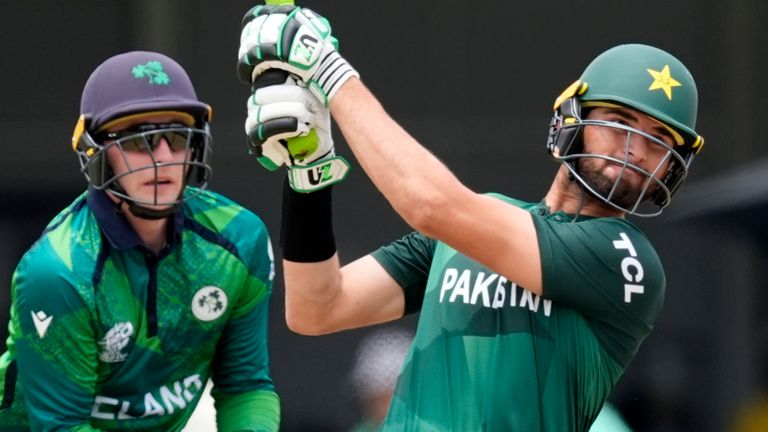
x: 296, y: 40
x: 287, y: 126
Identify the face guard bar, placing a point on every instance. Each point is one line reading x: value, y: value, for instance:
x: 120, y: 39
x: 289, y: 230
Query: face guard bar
x: 659, y: 184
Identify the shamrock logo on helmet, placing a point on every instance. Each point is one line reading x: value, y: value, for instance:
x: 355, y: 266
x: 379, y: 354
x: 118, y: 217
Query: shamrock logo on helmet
x: 152, y: 70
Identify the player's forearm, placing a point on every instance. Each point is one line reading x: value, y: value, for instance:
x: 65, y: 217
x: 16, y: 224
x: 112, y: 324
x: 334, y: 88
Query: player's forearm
x: 419, y: 187
x: 429, y: 197
x: 311, y: 290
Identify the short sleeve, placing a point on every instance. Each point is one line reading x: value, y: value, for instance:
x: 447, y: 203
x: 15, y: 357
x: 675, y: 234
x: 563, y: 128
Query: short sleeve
x: 408, y: 260
x: 607, y: 270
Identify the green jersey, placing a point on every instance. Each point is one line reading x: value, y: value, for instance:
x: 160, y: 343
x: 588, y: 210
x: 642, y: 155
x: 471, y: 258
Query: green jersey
x: 106, y: 335
x: 491, y: 356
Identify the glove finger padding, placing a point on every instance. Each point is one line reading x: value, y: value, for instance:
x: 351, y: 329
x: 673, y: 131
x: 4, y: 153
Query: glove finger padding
x: 268, y: 139
x: 271, y: 155
x: 298, y: 41
x: 286, y: 124
x: 267, y: 131
x: 247, y: 58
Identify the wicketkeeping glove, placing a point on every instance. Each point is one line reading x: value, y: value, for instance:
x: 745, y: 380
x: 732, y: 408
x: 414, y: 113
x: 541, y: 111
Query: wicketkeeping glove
x: 287, y: 126
x: 296, y: 40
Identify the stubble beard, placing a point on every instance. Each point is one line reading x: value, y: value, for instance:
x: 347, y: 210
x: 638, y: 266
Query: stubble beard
x: 625, y: 195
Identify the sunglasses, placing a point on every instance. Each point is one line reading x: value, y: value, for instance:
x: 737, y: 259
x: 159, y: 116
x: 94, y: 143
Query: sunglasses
x: 146, y: 137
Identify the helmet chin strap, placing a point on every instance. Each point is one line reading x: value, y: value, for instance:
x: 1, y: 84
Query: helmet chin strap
x: 583, y: 191
x: 150, y: 214
x: 582, y: 195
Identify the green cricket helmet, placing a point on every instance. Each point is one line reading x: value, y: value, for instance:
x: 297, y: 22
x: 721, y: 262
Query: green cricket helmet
x: 648, y: 80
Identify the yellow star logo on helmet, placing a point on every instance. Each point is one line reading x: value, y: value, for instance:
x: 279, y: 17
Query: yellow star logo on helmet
x: 663, y: 80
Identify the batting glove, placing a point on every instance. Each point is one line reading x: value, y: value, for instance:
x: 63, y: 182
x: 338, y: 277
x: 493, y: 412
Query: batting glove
x: 287, y: 126
x: 296, y: 40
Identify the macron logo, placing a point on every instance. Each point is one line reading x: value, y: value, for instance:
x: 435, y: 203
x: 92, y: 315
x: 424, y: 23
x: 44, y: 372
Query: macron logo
x: 42, y: 321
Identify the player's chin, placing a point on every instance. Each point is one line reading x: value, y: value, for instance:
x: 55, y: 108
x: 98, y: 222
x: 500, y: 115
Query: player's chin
x: 159, y: 196
x: 636, y: 183
x: 162, y: 205
x: 628, y: 194
x: 623, y: 192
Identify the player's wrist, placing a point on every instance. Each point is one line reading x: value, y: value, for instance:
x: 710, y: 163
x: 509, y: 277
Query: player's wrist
x: 306, y: 233
x: 333, y: 72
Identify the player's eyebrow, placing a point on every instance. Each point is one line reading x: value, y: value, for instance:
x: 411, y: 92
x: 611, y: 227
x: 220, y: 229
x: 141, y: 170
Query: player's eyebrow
x: 629, y: 116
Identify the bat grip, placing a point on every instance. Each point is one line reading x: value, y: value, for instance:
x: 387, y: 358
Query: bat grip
x: 269, y: 77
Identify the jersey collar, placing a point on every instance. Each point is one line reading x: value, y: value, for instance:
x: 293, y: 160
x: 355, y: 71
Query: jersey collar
x: 542, y: 209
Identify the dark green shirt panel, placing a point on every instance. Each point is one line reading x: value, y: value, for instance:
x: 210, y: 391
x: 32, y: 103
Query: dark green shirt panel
x: 606, y: 269
x: 243, y: 228
x: 489, y: 355
x: 408, y: 260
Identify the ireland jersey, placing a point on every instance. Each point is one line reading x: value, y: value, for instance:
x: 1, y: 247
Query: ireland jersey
x: 106, y: 335
x: 491, y: 356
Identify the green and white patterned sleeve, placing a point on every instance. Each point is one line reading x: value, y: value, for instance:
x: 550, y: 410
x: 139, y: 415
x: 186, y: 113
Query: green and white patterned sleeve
x: 245, y: 395
x: 55, y: 346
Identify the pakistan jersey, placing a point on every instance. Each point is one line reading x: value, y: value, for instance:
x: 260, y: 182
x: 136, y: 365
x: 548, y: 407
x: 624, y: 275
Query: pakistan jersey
x: 106, y: 335
x: 491, y: 356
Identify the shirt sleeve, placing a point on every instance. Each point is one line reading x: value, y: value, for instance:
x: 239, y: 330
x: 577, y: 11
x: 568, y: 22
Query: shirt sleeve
x: 255, y: 411
x: 241, y: 368
x: 607, y: 270
x: 408, y: 260
x: 54, y: 342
